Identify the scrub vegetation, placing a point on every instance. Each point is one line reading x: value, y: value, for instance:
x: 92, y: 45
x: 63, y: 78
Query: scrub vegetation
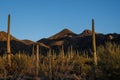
x: 75, y: 66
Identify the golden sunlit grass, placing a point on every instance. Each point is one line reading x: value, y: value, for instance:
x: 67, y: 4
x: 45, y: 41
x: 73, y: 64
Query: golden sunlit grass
x: 64, y: 67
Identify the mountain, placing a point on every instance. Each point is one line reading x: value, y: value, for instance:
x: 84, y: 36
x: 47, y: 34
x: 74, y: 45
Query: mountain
x: 79, y: 42
x: 3, y: 36
x: 86, y: 32
x: 59, y: 38
x: 16, y: 44
x: 64, y: 33
x: 64, y: 39
x: 23, y: 46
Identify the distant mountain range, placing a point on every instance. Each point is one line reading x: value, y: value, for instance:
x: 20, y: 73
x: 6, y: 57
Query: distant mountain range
x: 65, y: 38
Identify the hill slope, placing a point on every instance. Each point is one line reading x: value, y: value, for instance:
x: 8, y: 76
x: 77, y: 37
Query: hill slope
x: 65, y: 38
x: 16, y: 44
x: 3, y: 36
x: 81, y: 42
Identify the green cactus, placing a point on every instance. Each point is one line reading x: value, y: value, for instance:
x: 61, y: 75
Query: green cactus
x: 8, y: 42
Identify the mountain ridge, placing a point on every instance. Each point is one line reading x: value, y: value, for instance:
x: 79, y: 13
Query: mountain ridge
x: 65, y: 38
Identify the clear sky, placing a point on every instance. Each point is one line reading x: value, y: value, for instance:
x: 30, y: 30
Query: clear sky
x: 36, y: 19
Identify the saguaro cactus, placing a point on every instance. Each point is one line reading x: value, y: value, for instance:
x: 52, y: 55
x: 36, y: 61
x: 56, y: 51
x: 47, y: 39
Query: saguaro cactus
x: 33, y: 50
x: 94, y: 43
x: 50, y: 64
x: 8, y: 42
x: 33, y: 53
x: 62, y: 54
x: 94, y: 49
x: 37, y: 62
x: 70, y: 55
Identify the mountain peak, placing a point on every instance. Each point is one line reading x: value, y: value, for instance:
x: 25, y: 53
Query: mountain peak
x: 86, y: 32
x: 65, y: 30
x: 64, y: 33
x: 3, y: 36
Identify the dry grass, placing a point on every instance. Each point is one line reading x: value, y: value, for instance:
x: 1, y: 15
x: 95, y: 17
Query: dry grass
x: 57, y: 67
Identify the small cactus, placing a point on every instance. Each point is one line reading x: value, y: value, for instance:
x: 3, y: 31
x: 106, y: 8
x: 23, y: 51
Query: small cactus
x: 62, y: 54
x: 33, y: 53
x: 70, y: 53
x: 33, y: 50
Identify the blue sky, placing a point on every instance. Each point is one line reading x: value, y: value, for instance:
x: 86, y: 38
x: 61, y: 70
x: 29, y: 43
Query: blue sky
x: 36, y: 19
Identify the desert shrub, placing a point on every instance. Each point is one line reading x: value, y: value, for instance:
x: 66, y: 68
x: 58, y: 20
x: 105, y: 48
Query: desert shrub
x: 21, y: 63
x: 109, y: 60
x: 3, y: 64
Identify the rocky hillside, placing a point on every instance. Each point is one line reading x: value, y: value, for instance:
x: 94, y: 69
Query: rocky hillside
x: 3, y: 36
x: 16, y: 44
x: 65, y: 38
x: 79, y: 42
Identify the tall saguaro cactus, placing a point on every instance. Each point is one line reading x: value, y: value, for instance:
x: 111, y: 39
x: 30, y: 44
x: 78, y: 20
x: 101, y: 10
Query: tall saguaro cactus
x: 37, y: 62
x: 94, y: 43
x: 94, y: 49
x: 8, y: 42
